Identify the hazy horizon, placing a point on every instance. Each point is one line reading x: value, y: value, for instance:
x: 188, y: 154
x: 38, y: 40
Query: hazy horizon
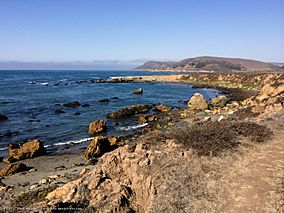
x: 123, y: 34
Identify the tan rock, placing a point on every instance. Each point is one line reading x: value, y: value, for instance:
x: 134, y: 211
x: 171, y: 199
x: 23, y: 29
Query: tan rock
x: 163, y: 108
x: 12, y: 169
x: 97, y: 147
x: 219, y: 101
x: 97, y: 126
x: 29, y: 149
x: 138, y: 91
x: 198, y: 102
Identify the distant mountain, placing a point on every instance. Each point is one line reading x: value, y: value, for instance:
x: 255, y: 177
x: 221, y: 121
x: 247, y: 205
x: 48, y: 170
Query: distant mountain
x: 210, y: 64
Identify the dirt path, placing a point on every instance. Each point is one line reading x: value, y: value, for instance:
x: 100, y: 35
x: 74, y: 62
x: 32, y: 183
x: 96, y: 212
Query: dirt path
x: 251, y: 188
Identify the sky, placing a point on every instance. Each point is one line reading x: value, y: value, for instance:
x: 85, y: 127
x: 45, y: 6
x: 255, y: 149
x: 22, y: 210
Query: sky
x: 129, y: 32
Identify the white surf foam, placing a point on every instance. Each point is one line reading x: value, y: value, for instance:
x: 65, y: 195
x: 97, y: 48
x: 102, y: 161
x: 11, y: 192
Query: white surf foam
x: 128, y: 128
x: 70, y: 142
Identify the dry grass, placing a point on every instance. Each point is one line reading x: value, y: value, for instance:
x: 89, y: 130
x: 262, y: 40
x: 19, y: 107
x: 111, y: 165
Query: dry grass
x: 211, y: 139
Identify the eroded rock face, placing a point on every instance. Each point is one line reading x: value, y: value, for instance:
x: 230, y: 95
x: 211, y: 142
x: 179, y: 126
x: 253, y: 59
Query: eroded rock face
x: 29, y: 149
x: 72, y: 104
x: 97, y: 126
x: 147, y: 118
x: 197, y: 102
x: 129, y: 111
x: 13, y: 169
x: 219, y: 101
x: 163, y: 108
x: 100, y: 145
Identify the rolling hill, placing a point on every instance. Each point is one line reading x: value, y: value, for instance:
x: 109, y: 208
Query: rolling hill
x: 208, y: 63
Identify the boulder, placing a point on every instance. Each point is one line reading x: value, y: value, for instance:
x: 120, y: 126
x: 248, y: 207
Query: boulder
x: 97, y: 126
x: 129, y: 111
x: 12, y: 169
x: 197, y: 102
x: 147, y: 118
x: 29, y: 149
x: 138, y: 91
x: 219, y: 101
x: 3, y: 117
x: 97, y: 147
x: 72, y: 104
x: 163, y: 108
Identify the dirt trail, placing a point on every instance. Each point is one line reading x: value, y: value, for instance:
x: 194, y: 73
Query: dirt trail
x: 252, y: 184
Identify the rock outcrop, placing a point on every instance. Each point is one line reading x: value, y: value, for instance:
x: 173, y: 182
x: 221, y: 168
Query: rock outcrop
x: 100, y: 145
x: 219, y: 101
x: 29, y: 149
x: 13, y: 169
x: 129, y: 111
x: 197, y: 102
x: 147, y: 118
x: 163, y: 108
x: 97, y: 126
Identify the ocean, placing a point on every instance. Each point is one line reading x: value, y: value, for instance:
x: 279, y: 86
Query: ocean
x: 30, y: 98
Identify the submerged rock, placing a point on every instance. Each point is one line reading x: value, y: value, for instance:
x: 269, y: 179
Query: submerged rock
x: 85, y: 105
x: 72, y: 104
x: 13, y: 168
x: 7, y: 133
x: 58, y: 111
x: 219, y: 101
x: 97, y: 127
x: 198, y: 102
x: 3, y: 117
x: 130, y: 111
x: 29, y: 149
x: 138, y: 91
x: 104, y: 100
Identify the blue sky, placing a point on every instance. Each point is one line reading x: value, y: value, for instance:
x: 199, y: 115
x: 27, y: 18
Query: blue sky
x: 127, y: 30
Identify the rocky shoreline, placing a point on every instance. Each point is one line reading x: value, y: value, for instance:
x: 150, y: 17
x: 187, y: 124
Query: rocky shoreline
x: 158, y: 170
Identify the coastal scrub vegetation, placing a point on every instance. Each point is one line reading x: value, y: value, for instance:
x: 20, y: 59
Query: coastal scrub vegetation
x: 211, y: 139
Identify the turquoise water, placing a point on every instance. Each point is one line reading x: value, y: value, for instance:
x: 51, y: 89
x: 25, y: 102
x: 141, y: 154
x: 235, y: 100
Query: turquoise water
x: 29, y: 99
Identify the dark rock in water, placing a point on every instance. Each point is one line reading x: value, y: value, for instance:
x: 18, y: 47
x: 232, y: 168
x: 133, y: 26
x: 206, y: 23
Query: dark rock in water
x: 72, y: 104
x: 104, y: 100
x: 29, y: 149
x: 130, y: 111
x: 114, y: 98
x: 197, y: 86
x: 138, y: 91
x: 85, y: 105
x: 57, y: 105
x: 3, y: 117
x: 77, y: 113
x: 13, y: 169
x: 58, y: 111
x: 97, y: 127
x: 7, y: 133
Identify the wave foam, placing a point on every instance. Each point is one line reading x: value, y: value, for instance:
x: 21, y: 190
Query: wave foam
x: 128, y: 128
x: 70, y: 142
